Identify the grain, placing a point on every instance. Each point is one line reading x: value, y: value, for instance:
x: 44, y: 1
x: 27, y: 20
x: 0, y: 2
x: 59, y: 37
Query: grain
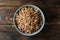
x: 28, y: 20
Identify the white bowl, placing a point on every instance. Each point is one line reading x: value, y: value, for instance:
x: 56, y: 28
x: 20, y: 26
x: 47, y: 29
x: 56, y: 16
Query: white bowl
x: 42, y: 16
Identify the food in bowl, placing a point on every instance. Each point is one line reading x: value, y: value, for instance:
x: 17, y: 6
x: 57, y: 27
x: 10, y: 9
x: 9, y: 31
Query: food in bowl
x: 28, y: 20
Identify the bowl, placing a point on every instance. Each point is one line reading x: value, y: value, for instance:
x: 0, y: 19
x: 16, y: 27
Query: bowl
x: 42, y: 16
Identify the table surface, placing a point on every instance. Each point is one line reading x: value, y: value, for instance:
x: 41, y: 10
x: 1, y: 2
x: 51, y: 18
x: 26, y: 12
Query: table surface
x: 51, y: 10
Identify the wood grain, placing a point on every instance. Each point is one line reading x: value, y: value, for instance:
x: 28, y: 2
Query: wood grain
x: 49, y: 32
x: 52, y: 14
x: 6, y: 14
x: 20, y: 2
x: 51, y: 10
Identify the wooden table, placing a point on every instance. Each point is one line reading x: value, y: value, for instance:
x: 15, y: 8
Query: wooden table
x: 51, y: 10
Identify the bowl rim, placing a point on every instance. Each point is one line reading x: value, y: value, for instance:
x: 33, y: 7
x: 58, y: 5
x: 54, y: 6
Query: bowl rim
x: 43, y: 19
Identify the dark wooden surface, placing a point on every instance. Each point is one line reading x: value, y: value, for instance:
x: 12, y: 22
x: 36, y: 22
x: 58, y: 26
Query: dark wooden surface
x: 51, y: 9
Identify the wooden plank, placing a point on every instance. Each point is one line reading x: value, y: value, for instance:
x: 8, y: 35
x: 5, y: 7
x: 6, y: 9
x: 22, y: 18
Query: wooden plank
x: 17, y: 3
x: 51, y: 3
x: 6, y: 15
x: 13, y: 36
x: 52, y: 15
x: 10, y: 3
x: 50, y: 27
x: 18, y: 0
x: 8, y: 36
x: 7, y: 28
x: 4, y: 36
x: 49, y: 32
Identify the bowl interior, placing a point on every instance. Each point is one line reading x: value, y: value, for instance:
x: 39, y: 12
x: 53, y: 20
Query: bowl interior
x: 42, y: 16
